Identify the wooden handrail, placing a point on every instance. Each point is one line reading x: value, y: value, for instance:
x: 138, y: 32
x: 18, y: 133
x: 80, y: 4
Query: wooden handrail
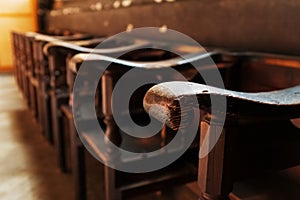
x: 162, y: 101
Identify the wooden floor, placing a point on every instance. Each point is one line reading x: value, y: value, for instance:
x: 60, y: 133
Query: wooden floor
x: 27, y: 162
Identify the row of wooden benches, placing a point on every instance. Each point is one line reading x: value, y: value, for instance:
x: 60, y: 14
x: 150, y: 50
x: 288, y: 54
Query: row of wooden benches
x: 257, y: 133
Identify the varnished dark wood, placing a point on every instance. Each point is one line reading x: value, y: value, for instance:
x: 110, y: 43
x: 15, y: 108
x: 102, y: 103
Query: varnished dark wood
x: 77, y: 154
x: 284, y: 103
x: 215, y: 177
x: 262, y: 115
x: 115, y: 189
x: 56, y: 90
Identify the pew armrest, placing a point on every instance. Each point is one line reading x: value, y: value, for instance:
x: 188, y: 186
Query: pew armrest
x: 80, y: 46
x: 162, y: 102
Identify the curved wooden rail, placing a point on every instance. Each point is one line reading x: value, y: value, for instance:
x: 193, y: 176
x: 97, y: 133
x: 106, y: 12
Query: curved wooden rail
x: 81, y: 57
x: 49, y: 38
x: 79, y: 46
x: 162, y: 102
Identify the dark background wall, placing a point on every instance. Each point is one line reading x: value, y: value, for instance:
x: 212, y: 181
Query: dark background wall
x: 258, y: 25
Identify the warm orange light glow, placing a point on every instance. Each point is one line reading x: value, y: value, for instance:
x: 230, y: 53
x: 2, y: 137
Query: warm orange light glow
x: 283, y: 63
x: 17, y: 15
x: 16, y: 6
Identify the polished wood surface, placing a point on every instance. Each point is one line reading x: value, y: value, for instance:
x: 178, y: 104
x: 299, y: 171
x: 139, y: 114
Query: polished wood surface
x: 257, y: 134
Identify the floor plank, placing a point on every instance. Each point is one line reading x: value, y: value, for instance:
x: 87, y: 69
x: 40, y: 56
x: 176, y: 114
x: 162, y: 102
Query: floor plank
x: 27, y: 162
